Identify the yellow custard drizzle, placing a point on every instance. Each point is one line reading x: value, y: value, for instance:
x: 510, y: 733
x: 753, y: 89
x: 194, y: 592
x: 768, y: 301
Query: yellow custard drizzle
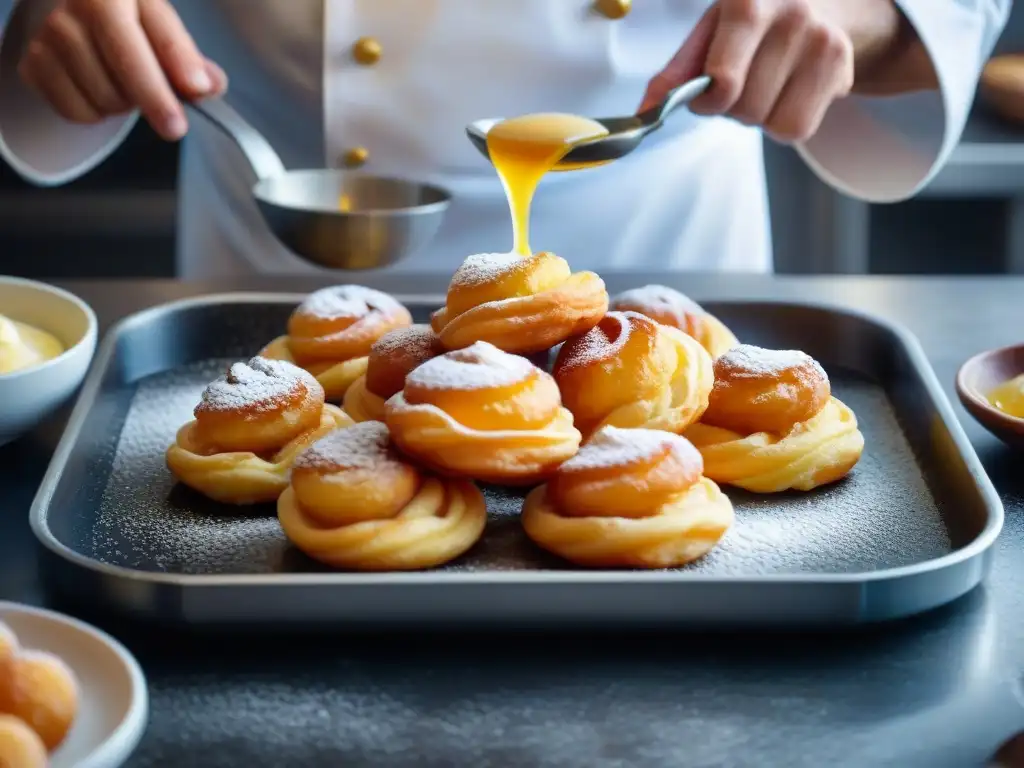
x: 523, y: 149
x: 24, y: 346
x: 1008, y: 397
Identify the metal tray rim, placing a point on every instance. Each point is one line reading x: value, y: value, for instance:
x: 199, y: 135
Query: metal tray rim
x: 40, y: 503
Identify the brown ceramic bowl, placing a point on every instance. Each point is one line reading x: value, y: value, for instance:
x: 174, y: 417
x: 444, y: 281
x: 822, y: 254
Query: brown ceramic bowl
x: 979, y: 376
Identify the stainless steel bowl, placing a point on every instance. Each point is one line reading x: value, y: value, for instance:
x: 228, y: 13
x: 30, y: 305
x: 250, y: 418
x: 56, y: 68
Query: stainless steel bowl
x: 384, y: 220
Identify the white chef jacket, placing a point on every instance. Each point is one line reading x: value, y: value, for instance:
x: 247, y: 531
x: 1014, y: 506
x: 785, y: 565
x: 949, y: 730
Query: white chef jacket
x: 692, y: 197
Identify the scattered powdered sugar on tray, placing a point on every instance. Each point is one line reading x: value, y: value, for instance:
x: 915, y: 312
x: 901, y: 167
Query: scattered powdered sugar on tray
x: 615, y: 447
x: 479, y: 366
x: 660, y: 299
x: 346, y: 301
x: 259, y: 384
x: 756, y: 362
x: 882, y: 516
x: 361, y: 446
x: 482, y: 268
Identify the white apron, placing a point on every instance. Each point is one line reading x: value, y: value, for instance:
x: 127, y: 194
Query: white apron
x: 691, y: 198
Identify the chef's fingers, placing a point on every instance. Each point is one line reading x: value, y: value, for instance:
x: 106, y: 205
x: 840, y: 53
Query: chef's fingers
x: 218, y: 76
x: 779, y: 53
x: 185, y: 67
x: 825, y: 73
x: 741, y: 26
x: 686, y: 64
x: 42, y: 70
x: 66, y: 38
x: 129, y: 56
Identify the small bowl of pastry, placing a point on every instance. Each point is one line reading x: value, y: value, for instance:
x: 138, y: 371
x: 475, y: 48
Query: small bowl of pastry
x: 677, y: 310
x: 773, y: 425
x: 991, y: 388
x: 330, y: 334
x: 631, y: 498
x: 355, y: 503
x: 47, y: 341
x: 249, y: 426
x: 483, y: 414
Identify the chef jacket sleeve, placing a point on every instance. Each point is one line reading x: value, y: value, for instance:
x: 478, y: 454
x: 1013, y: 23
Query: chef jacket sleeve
x: 886, y: 149
x: 42, y: 147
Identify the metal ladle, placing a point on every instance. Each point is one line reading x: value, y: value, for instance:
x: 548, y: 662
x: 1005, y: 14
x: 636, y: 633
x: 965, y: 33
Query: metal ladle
x: 384, y: 219
x: 624, y: 133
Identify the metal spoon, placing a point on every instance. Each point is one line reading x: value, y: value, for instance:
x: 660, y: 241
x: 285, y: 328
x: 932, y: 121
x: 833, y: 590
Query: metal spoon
x: 384, y: 220
x: 624, y: 133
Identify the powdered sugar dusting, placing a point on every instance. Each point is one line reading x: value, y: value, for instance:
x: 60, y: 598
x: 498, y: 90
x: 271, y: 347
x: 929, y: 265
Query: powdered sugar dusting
x: 616, y: 447
x: 603, y: 340
x: 259, y: 384
x: 414, y: 340
x: 482, y: 268
x: 748, y: 361
x: 480, y: 366
x: 346, y: 301
x: 658, y: 299
x: 361, y: 446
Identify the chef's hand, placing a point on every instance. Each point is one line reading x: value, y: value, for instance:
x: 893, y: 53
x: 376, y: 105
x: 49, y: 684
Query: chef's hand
x: 779, y: 64
x: 95, y: 58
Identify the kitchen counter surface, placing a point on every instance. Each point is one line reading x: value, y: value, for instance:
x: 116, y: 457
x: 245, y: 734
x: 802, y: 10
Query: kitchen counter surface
x: 938, y: 690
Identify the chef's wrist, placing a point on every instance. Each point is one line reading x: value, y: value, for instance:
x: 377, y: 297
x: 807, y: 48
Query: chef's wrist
x: 888, y: 56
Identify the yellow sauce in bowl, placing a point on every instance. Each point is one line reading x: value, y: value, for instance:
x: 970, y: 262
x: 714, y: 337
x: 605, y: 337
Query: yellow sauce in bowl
x: 24, y: 346
x: 1008, y: 397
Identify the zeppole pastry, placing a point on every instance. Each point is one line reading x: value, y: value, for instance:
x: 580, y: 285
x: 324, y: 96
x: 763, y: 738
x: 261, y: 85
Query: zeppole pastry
x: 629, y: 371
x: 331, y: 332
x: 20, y: 746
x: 249, y: 426
x: 482, y: 413
x: 521, y: 304
x: 670, y: 307
x: 629, y: 498
x: 355, y: 503
x: 40, y: 690
x: 391, y: 359
x: 772, y: 423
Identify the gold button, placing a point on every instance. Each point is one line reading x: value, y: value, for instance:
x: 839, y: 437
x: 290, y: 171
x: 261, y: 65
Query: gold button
x: 613, y: 9
x: 356, y: 157
x: 366, y: 51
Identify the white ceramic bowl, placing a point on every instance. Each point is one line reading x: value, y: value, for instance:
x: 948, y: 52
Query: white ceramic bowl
x: 30, y: 395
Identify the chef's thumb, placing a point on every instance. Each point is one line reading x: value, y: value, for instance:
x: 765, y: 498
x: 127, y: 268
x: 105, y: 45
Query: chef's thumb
x: 686, y: 64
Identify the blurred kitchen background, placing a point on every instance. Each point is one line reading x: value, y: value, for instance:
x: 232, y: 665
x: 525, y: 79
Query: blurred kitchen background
x: 119, y: 220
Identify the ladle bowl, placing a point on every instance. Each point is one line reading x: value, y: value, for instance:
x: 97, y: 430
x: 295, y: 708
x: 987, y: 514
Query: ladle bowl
x: 335, y: 219
x: 624, y: 133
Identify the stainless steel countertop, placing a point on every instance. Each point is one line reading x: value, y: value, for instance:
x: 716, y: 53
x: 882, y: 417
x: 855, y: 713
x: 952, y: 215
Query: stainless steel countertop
x: 938, y: 690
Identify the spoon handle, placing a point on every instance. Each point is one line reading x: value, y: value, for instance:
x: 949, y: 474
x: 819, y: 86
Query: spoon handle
x: 264, y: 160
x: 676, y: 98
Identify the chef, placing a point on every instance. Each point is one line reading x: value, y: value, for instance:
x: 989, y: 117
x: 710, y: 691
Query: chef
x: 873, y: 93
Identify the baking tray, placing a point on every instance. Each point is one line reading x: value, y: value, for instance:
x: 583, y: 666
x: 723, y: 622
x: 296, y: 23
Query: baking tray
x: 909, y: 530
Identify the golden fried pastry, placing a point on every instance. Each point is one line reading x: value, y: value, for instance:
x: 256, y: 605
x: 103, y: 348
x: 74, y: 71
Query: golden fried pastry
x: 629, y: 371
x: 20, y: 746
x: 249, y: 426
x: 521, y: 304
x: 772, y: 423
x: 8, y: 646
x: 331, y: 332
x: 391, y: 359
x: 355, y: 503
x: 42, y: 692
x: 484, y: 414
x: 670, y: 307
x: 629, y: 498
